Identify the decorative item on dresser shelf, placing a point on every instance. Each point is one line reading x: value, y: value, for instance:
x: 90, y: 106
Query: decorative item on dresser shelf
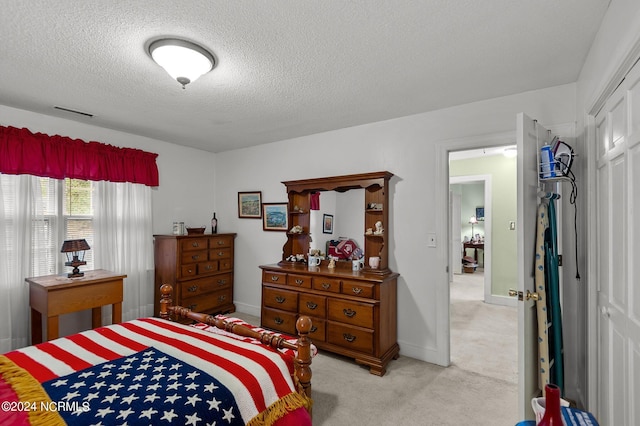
x: 200, y: 269
x: 353, y: 306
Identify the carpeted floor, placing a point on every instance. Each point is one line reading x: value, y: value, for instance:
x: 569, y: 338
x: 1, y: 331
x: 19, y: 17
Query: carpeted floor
x: 479, y: 388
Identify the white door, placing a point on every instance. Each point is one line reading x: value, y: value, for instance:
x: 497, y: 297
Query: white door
x: 618, y: 244
x: 530, y: 135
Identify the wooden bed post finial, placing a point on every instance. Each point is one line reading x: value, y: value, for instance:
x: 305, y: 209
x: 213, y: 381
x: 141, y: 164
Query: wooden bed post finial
x: 303, y: 360
x: 166, y: 291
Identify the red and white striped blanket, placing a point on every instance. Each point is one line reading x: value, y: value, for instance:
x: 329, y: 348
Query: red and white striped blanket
x: 148, y: 371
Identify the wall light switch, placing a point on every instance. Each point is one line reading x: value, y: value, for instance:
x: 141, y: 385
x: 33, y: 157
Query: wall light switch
x: 431, y: 240
x: 512, y: 226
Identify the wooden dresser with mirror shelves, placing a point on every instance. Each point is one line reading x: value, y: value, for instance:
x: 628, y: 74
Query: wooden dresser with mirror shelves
x: 200, y: 269
x: 354, y: 313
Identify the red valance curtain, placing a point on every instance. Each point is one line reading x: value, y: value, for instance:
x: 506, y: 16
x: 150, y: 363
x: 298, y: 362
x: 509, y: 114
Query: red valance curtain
x: 59, y: 157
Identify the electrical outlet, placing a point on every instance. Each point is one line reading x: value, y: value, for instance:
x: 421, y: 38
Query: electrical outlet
x: 431, y: 240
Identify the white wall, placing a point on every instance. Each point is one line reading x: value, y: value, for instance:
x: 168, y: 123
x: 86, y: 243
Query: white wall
x: 405, y: 147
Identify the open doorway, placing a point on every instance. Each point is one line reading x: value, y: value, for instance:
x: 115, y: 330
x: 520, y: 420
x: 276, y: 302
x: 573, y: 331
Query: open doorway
x: 483, y: 318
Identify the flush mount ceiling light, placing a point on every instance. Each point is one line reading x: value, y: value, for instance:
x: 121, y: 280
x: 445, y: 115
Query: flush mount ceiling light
x: 183, y: 60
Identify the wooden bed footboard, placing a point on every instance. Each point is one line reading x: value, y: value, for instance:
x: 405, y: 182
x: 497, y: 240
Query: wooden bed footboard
x: 302, y: 361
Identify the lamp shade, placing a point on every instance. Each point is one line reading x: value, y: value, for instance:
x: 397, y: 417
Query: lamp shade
x: 473, y: 220
x: 182, y: 60
x: 74, y: 245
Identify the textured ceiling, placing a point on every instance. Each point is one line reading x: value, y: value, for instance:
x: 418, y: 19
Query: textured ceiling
x: 286, y: 68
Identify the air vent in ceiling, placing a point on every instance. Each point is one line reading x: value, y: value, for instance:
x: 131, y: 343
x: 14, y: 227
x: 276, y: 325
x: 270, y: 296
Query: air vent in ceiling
x: 72, y: 111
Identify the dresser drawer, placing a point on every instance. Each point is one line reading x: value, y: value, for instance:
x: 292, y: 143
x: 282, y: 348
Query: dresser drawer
x: 190, y: 270
x: 279, y: 320
x: 358, y: 288
x: 353, y: 338
x: 354, y: 313
x: 220, y: 253
x: 318, y: 330
x: 192, y: 244
x: 208, y: 302
x: 280, y: 299
x: 312, y: 305
x: 223, y: 280
x: 202, y: 285
x: 326, y: 284
x: 207, y: 267
x: 188, y: 257
x: 269, y: 277
x: 301, y: 281
x: 220, y: 241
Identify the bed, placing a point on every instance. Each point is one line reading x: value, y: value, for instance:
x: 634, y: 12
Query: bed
x: 158, y: 371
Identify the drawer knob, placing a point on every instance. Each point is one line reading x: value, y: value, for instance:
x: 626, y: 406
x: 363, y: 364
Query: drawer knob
x: 299, y: 281
x: 193, y: 307
x: 222, y: 282
x: 312, y: 305
x: 220, y: 242
x: 220, y: 253
x: 274, y: 277
x: 278, y: 320
x: 209, y: 267
x: 280, y: 299
x: 313, y: 329
x: 349, y: 312
x: 195, y: 244
x: 222, y: 298
x: 326, y: 286
x: 190, y: 271
x: 192, y: 288
x: 357, y: 290
x: 195, y: 257
x: 349, y: 337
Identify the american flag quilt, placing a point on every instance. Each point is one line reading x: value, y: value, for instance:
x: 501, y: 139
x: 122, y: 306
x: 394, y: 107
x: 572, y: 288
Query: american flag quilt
x: 148, y: 372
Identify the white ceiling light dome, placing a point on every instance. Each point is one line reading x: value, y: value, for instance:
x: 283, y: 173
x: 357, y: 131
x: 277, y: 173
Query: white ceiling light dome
x: 182, y: 60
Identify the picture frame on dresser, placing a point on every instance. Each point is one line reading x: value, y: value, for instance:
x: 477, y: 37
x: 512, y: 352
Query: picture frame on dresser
x: 275, y: 217
x: 250, y: 205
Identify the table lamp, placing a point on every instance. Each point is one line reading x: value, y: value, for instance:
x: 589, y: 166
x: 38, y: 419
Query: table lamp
x: 472, y: 221
x: 74, y: 250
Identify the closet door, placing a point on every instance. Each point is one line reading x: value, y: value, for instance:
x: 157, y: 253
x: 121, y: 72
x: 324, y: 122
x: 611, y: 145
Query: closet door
x: 618, y: 242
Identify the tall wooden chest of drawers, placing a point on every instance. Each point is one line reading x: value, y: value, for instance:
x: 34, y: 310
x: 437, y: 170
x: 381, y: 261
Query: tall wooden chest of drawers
x: 354, y: 313
x: 200, y: 269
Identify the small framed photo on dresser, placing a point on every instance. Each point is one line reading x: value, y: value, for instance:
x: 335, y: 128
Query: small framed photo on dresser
x: 250, y: 205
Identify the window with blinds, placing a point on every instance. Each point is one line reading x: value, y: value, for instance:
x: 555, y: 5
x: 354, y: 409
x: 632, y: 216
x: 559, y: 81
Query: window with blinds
x: 67, y: 214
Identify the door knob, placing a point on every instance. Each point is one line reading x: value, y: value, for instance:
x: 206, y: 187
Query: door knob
x: 520, y: 296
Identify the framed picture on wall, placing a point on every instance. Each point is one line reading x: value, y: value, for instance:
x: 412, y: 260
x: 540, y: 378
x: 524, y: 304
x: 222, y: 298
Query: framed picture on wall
x: 480, y: 213
x: 275, y: 217
x: 250, y: 205
x: 327, y: 223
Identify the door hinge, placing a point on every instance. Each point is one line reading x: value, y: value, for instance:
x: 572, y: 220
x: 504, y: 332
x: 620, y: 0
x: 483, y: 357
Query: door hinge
x: 559, y: 260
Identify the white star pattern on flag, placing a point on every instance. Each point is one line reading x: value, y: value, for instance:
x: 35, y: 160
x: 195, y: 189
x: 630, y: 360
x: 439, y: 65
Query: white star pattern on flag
x: 147, y: 396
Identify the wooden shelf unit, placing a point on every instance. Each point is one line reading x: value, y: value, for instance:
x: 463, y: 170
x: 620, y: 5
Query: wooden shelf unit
x: 376, y: 186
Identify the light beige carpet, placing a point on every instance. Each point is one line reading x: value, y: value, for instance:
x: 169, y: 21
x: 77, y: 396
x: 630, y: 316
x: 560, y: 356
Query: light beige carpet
x: 479, y: 388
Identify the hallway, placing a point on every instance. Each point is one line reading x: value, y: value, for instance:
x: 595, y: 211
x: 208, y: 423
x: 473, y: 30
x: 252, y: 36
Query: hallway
x: 484, y: 337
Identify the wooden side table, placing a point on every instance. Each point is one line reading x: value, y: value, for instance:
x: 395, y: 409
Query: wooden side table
x: 53, y: 295
x: 475, y: 247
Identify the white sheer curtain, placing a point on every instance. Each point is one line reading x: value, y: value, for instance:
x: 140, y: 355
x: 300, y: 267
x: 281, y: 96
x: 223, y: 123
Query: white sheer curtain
x: 21, y: 230
x: 123, y: 243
